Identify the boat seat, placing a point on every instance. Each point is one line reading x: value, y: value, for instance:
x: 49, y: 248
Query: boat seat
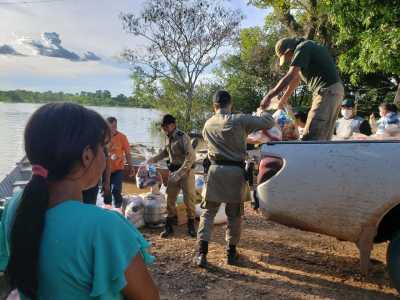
x: 20, y: 183
x: 26, y: 173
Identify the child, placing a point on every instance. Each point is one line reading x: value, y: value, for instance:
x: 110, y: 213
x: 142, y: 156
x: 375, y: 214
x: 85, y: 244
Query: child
x: 389, y: 119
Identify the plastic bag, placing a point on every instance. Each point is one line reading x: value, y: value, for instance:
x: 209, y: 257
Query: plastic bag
x: 155, y: 208
x: 131, y: 198
x: 147, y: 176
x: 134, y: 211
x: 199, y: 182
x: 286, y: 124
x: 265, y: 136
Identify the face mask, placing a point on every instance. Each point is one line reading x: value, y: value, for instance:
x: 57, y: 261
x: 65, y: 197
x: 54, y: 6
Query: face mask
x: 347, y: 113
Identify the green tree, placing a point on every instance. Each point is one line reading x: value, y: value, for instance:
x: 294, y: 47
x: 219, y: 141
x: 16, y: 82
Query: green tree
x: 99, y: 98
x: 183, y: 38
x: 145, y: 92
x: 253, y: 69
x: 306, y: 18
x: 363, y: 36
x: 369, y: 32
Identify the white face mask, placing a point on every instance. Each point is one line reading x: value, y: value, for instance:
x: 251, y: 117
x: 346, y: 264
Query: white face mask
x: 347, y: 113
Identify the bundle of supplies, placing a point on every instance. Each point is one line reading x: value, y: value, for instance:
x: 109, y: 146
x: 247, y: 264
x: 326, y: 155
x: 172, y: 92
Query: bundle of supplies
x: 134, y: 210
x: 265, y: 135
x: 155, y: 208
x: 285, y: 120
x: 147, y: 176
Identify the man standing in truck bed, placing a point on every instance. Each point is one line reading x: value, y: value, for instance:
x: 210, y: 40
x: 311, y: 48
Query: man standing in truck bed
x: 312, y: 63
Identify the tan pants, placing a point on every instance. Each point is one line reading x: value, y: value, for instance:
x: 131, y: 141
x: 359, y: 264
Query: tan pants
x: 234, y: 212
x: 186, y: 183
x: 324, y: 110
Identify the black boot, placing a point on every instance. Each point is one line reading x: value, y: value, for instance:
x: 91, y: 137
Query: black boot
x: 168, y: 231
x: 191, y: 228
x: 200, y: 259
x: 231, y: 255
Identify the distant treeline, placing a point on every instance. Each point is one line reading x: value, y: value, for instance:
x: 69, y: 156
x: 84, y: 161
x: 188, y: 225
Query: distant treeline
x: 98, y: 98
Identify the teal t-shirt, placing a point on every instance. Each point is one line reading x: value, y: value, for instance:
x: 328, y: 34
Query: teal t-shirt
x: 85, y: 251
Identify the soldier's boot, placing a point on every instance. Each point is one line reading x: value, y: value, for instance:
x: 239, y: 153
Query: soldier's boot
x: 200, y: 259
x: 191, y: 229
x: 231, y: 255
x: 168, y: 230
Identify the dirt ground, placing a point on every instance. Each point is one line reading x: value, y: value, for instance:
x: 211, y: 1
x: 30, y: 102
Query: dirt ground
x: 276, y: 262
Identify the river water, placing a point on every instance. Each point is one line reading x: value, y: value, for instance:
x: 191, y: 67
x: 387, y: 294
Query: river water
x: 136, y: 123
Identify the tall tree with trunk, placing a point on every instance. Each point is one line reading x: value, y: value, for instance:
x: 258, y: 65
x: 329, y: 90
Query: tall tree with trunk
x: 182, y: 38
x: 306, y: 18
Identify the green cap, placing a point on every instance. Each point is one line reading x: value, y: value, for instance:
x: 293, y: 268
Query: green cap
x: 348, y: 102
x: 283, y: 46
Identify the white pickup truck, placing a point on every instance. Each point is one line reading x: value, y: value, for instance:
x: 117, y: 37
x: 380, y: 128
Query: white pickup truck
x: 346, y: 189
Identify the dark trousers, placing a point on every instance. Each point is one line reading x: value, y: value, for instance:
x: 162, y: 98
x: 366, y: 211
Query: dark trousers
x: 90, y: 196
x: 116, y: 189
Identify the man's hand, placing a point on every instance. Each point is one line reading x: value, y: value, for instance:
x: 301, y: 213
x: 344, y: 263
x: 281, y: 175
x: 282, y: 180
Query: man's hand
x: 173, y: 177
x: 150, y: 161
x: 266, y: 101
x: 107, y: 188
x: 282, y: 104
x: 372, y: 118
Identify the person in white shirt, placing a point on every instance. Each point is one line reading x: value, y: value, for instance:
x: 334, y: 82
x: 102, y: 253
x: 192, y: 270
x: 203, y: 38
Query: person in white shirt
x: 350, y: 123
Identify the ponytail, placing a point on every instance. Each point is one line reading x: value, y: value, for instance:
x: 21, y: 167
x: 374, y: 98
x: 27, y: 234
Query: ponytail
x: 26, y: 235
x: 55, y: 138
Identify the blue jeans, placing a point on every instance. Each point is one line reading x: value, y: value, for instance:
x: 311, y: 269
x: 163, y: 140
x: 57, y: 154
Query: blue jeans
x: 116, y: 179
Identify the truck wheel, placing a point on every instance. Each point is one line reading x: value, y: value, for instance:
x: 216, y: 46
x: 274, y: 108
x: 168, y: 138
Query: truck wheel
x: 393, y: 260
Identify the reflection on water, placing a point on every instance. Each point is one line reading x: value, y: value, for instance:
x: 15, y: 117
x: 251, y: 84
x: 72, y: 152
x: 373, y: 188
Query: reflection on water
x: 136, y: 123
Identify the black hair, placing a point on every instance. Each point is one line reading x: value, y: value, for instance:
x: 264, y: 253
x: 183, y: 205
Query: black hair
x: 168, y: 119
x: 390, y: 107
x: 222, y: 98
x: 301, y: 115
x: 111, y: 119
x: 55, y: 137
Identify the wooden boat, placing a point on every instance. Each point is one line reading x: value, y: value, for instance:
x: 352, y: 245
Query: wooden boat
x: 22, y: 172
x: 16, y: 179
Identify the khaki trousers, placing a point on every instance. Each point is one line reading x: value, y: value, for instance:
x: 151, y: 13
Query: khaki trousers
x: 234, y: 212
x: 186, y: 184
x: 324, y: 110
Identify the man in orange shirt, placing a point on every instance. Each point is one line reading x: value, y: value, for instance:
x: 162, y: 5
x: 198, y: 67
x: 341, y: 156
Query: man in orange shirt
x: 119, y: 150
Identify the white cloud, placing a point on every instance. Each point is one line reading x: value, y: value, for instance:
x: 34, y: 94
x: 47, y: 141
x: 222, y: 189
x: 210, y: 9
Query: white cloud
x: 8, y: 50
x: 84, y: 25
x: 50, y: 46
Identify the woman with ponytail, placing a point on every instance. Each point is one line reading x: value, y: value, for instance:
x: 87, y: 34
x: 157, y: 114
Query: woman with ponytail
x: 60, y: 248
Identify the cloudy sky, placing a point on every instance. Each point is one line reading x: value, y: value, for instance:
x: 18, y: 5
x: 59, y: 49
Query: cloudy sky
x: 72, y: 45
